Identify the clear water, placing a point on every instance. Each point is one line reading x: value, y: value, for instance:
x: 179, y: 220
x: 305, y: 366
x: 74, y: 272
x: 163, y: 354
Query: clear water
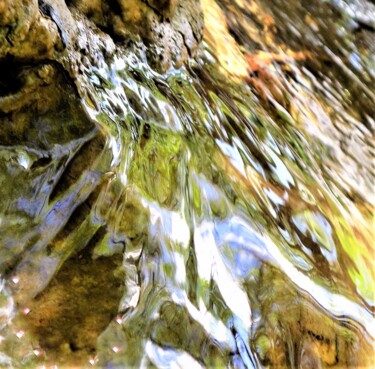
x: 205, y: 221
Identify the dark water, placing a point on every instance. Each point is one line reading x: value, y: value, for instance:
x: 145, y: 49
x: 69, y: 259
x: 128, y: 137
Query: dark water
x: 204, y: 218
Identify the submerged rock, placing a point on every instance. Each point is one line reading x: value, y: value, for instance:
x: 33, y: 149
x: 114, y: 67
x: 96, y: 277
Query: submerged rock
x: 131, y: 200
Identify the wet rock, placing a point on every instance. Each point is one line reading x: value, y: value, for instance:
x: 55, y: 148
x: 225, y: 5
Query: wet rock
x: 79, y: 33
x: 77, y: 306
x: 175, y: 329
x: 310, y: 338
x: 25, y: 33
x: 165, y: 7
x: 29, y: 82
x: 171, y: 30
x: 231, y: 60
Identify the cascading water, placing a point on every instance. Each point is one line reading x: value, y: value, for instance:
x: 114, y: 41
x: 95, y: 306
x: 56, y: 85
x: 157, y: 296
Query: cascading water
x: 204, y: 221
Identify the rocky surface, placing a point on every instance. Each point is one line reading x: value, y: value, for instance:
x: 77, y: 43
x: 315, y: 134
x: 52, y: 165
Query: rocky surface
x: 32, y: 31
x: 171, y: 30
x: 54, y: 152
x: 62, y: 254
x: 42, y: 39
x: 45, y: 48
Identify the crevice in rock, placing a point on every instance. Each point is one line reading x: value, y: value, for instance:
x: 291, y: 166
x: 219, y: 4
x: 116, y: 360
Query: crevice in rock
x: 10, y: 81
x: 185, y: 44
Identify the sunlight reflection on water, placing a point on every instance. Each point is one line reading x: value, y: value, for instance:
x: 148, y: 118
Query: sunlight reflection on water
x: 237, y: 222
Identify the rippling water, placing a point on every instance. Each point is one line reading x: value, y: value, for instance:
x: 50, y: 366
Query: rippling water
x: 205, y: 218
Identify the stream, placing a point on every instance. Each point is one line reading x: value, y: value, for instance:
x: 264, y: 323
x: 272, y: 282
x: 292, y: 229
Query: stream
x: 202, y: 218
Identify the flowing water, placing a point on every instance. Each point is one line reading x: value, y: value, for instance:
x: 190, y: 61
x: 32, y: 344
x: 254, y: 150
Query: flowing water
x: 202, y: 218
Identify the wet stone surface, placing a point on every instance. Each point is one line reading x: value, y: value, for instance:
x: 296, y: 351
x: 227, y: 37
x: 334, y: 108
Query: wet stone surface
x: 218, y: 215
x: 76, y: 307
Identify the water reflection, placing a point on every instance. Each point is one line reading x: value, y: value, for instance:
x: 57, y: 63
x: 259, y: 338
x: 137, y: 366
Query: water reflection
x: 210, y: 218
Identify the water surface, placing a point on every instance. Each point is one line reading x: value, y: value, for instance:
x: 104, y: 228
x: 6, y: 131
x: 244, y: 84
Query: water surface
x: 205, y: 217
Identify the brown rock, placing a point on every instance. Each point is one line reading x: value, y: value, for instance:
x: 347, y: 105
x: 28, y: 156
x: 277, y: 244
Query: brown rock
x: 170, y: 29
x: 26, y: 33
x: 32, y: 30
